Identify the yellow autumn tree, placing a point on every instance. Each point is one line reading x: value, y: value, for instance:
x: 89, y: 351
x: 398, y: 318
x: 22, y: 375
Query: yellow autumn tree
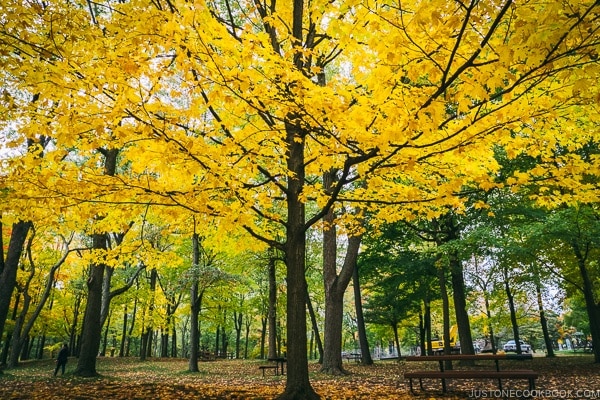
x: 236, y: 109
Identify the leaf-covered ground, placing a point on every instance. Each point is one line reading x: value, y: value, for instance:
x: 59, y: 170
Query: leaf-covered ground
x: 129, y: 378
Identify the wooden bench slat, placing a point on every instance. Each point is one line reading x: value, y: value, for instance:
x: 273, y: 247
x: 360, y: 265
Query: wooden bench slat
x: 466, y: 374
x: 530, y: 375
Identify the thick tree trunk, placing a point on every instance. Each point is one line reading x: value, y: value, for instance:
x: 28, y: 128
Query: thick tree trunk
x: 335, y: 286
x: 334, y: 293
x: 460, y: 306
x: 365, y: 350
x: 297, y: 384
x: 332, y: 344
x: 91, y: 333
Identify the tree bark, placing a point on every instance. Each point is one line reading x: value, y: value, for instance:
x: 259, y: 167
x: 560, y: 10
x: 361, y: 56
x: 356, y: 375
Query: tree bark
x: 513, y: 313
x: 196, y: 301
x: 91, y: 333
x: 460, y: 306
x: 9, y: 267
x: 297, y: 384
x: 335, y: 286
x: 272, y: 315
x: 592, y: 308
x: 315, y: 326
x: 365, y: 350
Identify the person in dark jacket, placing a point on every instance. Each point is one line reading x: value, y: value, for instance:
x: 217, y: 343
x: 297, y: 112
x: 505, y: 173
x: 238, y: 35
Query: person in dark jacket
x: 61, y: 360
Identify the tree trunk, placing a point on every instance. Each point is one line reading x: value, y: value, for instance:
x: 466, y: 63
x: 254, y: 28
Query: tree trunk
x: 315, y: 326
x: 460, y: 305
x: 131, y: 326
x: 263, y: 334
x: 513, y: 314
x: 543, y: 321
x: 488, y: 313
x: 248, y: 324
x: 25, y: 327
x: 146, y: 350
x: 91, y: 333
x: 335, y: 286
x: 123, y: 332
x: 9, y: 267
x: 196, y: 301
x: 445, y: 310
x: 105, y: 338
x: 396, y: 337
x: 427, y: 326
x: 593, y: 309
x: 19, y: 338
x: 73, y: 341
x: 365, y: 350
x: 272, y: 316
x: 422, y: 333
x: 238, y: 322
x: 297, y: 384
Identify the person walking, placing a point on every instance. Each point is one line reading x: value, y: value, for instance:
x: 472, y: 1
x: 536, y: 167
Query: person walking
x: 61, y: 360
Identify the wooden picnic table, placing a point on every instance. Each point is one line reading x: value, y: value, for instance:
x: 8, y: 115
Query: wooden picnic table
x: 445, y: 373
x: 276, y: 363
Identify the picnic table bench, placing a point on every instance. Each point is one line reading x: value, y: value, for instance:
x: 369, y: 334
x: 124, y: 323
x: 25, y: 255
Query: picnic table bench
x: 444, y: 373
x: 276, y: 364
x: 357, y: 357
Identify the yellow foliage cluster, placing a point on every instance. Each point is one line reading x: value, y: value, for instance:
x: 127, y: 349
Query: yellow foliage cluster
x: 409, y: 98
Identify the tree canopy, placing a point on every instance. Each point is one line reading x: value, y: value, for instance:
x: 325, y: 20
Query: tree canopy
x: 233, y: 111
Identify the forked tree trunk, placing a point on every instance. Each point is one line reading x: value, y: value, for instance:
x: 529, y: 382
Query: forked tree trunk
x: 91, y: 333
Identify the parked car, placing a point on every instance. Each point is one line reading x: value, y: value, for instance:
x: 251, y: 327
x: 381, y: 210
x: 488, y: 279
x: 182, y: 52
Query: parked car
x: 512, y: 346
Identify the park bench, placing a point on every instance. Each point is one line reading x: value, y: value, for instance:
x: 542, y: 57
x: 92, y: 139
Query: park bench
x: 443, y: 373
x: 356, y: 357
x: 276, y: 364
x: 267, y: 366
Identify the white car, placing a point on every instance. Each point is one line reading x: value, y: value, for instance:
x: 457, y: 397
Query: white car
x: 511, y: 346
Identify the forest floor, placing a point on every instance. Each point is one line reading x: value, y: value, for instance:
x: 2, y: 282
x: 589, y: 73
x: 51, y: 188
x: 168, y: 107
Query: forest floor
x: 565, y: 376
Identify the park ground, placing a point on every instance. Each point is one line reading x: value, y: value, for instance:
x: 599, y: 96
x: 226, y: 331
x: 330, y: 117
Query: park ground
x: 569, y: 375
